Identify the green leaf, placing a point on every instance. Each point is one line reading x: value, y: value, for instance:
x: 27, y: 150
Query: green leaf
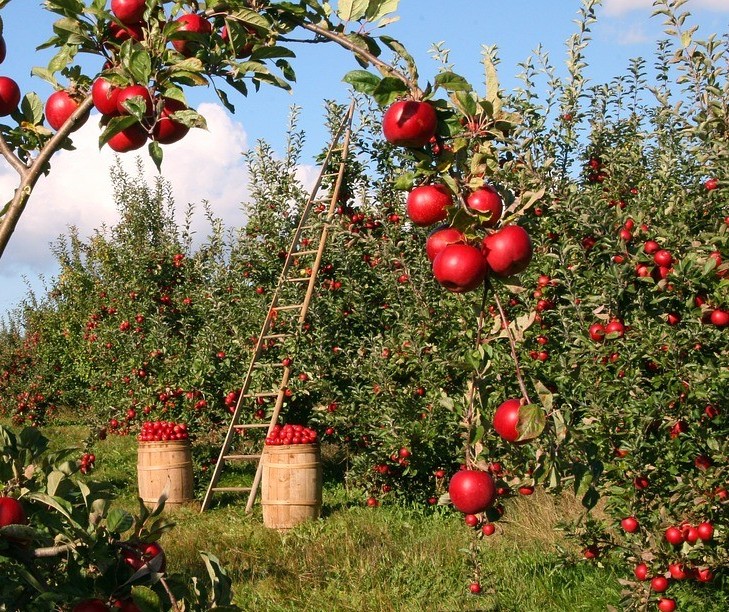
x: 352, y: 10
x: 146, y: 599
x: 531, y: 422
x: 270, y: 52
x: 221, y: 583
x: 398, y: 48
x: 155, y: 152
x: 119, y: 521
x: 362, y: 81
x: 32, y: 108
x: 388, y: 90
x: 464, y: 102
x: 379, y: 8
x: 140, y: 66
x: 404, y: 181
x: 450, y: 81
x: 54, y: 479
x: 250, y: 18
x: 116, y: 125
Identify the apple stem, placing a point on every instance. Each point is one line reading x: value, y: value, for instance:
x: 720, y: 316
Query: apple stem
x: 512, y: 345
x: 170, y: 594
x: 383, y: 67
x: 470, y: 415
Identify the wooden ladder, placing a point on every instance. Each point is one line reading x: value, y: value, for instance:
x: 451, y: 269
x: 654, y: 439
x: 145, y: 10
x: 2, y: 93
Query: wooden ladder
x: 281, y: 301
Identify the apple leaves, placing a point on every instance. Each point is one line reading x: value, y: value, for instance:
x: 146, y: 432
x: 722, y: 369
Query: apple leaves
x: 371, y: 10
x: 532, y: 420
x: 384, y: 90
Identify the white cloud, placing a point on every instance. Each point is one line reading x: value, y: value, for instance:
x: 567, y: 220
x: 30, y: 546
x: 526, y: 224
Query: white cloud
x: 633, y: 34
x: 620, y: 7
x: 205, y: 165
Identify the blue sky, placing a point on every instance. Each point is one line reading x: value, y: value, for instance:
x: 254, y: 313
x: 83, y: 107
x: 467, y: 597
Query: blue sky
x: 208, y: 166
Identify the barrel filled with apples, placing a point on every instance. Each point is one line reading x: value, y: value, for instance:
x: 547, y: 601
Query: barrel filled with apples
x: 164, y: 461
x: 291, y: 478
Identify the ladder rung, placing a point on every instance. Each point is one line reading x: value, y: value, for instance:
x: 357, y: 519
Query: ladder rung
x: 260, y: 366
x: 264, y: 394
x: 241, y: 457
x: 274, y: 336
x: 251, y: 426
x: 309, y: 252
x: 232, y: 489
x: 290, y: 307
x: 298, y: 279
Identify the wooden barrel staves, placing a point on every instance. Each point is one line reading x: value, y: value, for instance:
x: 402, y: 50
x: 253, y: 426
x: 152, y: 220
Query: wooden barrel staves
x: 165, y: 464
x: 291, y: 485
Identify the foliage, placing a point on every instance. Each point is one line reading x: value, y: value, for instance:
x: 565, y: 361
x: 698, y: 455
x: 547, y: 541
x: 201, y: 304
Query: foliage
x: 75, y: 545
x: 623, y: 190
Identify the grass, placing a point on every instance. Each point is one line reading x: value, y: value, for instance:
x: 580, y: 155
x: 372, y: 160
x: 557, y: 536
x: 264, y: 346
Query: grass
x: 376, y: 559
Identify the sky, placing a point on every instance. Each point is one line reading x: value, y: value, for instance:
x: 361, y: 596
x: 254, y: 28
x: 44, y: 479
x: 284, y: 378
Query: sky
x: 208, y: 165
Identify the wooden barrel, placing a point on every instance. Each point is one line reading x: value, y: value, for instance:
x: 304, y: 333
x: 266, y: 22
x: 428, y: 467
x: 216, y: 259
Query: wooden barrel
x: 160, y: 463
x: 291, y: 484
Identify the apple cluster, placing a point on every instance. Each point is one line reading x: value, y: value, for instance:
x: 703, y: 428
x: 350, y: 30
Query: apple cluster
x: 87, y: 462
x: 460, y: 264
x: 291, y: 434
x: 162, y: 431
x: 160, y: 120
x: 9, y: 90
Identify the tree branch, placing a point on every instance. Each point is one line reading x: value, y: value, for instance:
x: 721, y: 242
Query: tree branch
x: 384, y: 67
x: 31, y: 174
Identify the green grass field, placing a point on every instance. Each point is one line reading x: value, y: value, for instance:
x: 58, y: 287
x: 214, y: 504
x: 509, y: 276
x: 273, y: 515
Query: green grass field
x: 384, y: 558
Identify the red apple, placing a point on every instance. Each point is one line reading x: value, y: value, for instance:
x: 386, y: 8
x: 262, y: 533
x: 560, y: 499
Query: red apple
x: 591, y: 552
x: 190, y: 24
x: 128, y: 11
x: 506, y: 420
x: 460, y: 268
x: 659, y: 584
x: 677, y: 571
x: 666, y: 604
x: 472, y: 491
x: 615, y: 327
x: 597, y: 332
x: 132, y: 91
x: 651, y: 247
x: 486, y: 201
x: 11, y: 512
x: 428, y: 204
x: 663, y: 258
x: 145, y: 553
x: 105, y: 97
x: 244, y: 43
x: 711, y: 184
x: 673, y: 536
x: 9, y: 96
x: 129, y: 139
x: 705, y: 531
x: 409, y: 123
x: 167, y: 130
x: 641, y: 571
x: 704, y: 574
x: 508, y: 251
x: 441, y: 237
x: 720, y: 317
x: 59, y: 107
x: 630, y: 524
